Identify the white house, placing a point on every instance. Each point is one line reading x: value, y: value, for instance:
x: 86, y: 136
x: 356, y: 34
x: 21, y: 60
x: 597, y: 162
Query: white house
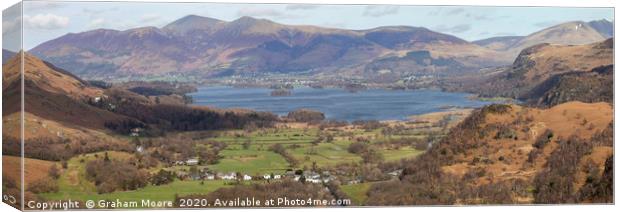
x: 313, y: 180
x: 247, y: 177
x: 210, y: 177
x: 267, y: 177
x: 229, y: 176
x: 277, y: 176
x: 396, y: 173
x: 192, y: 162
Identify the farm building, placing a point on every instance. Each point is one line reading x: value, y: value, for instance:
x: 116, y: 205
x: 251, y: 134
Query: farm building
x: 192, y: 162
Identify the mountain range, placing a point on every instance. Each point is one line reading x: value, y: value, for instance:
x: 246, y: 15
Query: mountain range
x: 198, y: 47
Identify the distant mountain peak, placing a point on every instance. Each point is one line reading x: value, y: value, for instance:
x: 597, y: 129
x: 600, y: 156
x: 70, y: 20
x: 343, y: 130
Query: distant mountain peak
x: 248, y: 21
x: 191, y: 23
x: 603, y: 26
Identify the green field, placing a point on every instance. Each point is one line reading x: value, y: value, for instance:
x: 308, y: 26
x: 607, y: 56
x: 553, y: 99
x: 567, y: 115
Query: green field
x: 258, y: 159
x: 357, y: 192
x: 250, y: 161
x: 397, y: 154
x: 324, y: 154
x: 253, y: 159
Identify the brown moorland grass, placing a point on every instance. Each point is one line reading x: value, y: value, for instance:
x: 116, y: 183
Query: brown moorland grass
x: 564, y: 120
x: 33, y: 169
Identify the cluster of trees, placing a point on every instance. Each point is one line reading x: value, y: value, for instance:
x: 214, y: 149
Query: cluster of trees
x: 58, y: 149
x: 368, y: 125
x: 162, y: 117
x: 171, y: 149
x: 125, y: 126
x: 368, y: 153
x: 210, y: 152
x: 157, y: 88
x: 281, y: 150
x: 556, y: 183
x: 115, y: 175
x: 599, y: 188
x: 306, y: 115
x: 162, y: 177
x: 504, y: 131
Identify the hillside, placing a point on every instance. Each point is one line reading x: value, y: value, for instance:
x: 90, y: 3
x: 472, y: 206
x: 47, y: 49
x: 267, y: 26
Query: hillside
x: 52, y: 93
x: 544, y: 67
x: 571, y: 33
x: 594, y: 86
x: 195, y: 47
x: 508, y: 154
x: 6, y: 55
x: 499, y: 43
x: 59, y: 122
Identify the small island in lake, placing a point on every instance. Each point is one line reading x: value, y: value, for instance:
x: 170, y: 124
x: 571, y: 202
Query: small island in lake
x: 281, y: 92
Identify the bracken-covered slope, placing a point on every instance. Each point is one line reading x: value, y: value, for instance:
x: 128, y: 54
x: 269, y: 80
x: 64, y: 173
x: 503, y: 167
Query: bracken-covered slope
x: 51, y: 94
x: 509, y: 154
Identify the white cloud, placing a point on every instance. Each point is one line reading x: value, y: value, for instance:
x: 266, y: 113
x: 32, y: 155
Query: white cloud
x: 97, y: 23
x: 46, y: 21
x: 380, y: 10
x: 10, y: 26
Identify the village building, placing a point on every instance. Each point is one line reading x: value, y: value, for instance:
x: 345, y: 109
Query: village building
x: 247, y: 177
x: 396, y: 173
x: 135, y: 132
x: 210, y: 176
x: 192, y: 162
x: 228, y: 176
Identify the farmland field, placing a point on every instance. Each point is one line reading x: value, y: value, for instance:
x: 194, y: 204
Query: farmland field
x: 357, y: 192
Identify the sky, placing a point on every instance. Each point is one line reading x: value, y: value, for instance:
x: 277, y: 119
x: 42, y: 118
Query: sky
x: 44, y: 21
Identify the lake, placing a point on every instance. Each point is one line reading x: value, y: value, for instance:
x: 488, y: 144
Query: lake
x: 335, y: 103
